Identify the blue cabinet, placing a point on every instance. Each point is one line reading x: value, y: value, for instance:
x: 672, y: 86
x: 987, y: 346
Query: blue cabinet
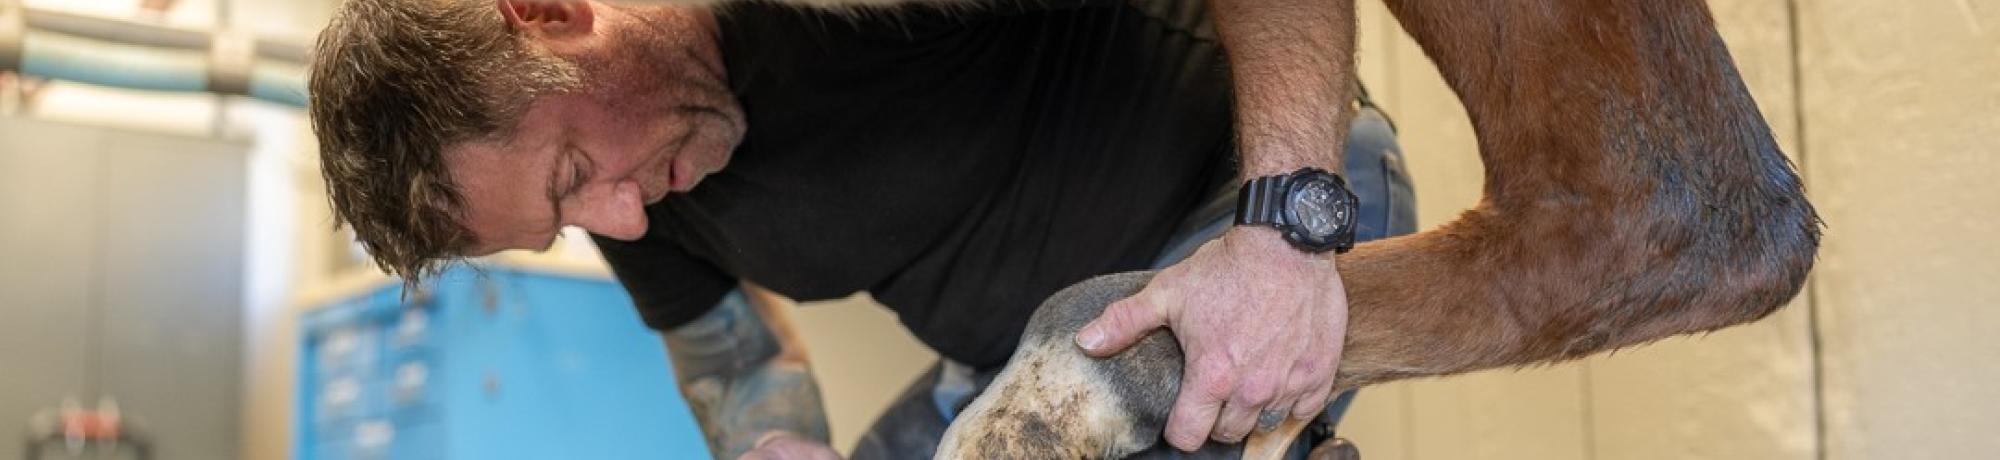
x: 492, y: 363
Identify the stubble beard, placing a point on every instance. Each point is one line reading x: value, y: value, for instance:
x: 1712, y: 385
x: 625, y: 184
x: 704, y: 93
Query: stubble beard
x: 657, y: 73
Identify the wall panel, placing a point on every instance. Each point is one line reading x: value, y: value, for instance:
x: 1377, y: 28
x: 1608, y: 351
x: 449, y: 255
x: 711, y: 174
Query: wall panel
x: 1902, y: 104
x: 172, y: 268
x: 48, y: 177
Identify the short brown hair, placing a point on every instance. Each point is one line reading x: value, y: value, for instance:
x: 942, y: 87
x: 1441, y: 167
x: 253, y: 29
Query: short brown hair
x: 395, y: 82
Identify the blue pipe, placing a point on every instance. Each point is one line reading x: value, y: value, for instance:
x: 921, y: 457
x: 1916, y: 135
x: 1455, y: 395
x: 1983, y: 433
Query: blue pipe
x: 96, y: 62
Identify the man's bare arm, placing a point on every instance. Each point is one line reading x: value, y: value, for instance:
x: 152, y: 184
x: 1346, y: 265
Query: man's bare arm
x: 1292, y: 62
x: 744, y: 372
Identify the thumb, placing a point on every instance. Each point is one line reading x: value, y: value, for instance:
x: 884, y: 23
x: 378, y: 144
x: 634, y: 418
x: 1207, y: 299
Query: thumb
x: 1123, y: 323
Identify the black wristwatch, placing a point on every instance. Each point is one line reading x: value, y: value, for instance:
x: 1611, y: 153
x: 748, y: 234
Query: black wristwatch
x: 1311, y: 207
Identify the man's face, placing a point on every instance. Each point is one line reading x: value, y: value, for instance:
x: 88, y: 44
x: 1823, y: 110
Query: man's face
x: 652, y: 118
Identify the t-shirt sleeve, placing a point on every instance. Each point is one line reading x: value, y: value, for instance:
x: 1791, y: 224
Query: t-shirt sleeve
x: 669, y: 286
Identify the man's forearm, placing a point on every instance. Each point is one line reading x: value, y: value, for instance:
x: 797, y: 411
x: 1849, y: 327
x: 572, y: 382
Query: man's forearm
x: 745, y: 374
x: 1292, y: 63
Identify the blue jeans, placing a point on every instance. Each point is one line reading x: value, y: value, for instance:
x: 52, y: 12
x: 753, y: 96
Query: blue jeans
x: 1373, y: 166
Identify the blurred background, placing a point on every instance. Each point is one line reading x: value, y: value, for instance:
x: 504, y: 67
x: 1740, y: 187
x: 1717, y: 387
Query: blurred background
x: 171, y: 287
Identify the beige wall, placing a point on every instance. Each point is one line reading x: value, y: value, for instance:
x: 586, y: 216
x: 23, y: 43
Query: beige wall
x: 1902, y: 103
x: 1896, y: 138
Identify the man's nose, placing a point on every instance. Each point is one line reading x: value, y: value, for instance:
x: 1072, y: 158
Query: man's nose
x: 616, y: 211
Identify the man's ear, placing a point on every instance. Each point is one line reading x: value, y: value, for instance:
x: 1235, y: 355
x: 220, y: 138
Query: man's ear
x: 548, y: 18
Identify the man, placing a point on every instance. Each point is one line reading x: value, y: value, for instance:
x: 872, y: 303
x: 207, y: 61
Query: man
x: 958, y: 163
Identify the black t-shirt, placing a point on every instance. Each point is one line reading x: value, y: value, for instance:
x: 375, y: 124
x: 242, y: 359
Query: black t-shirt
x: 959, y: 165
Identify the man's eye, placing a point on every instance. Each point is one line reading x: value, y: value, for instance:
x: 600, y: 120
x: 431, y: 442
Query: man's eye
x: 577, y: 176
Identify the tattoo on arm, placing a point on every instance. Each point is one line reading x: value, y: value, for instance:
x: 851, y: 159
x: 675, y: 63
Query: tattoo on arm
x: 741, y: 379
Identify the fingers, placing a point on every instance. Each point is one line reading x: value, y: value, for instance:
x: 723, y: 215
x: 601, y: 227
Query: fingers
x: 1123, y: 323
x: 1195, y: 408
x: 1274, y: 414
x: 1240, y: 414
x: 1312, y: 382
x: 1312, y: 404
x: 1235, y: 423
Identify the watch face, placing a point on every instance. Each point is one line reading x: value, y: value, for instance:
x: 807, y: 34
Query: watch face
x: 1319, y: 208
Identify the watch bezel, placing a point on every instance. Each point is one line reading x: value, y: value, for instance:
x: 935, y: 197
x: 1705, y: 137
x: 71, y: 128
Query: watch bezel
x: 1294, y: 231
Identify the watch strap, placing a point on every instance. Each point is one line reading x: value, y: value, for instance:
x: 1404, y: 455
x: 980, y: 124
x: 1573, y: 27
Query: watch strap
x: 1262, y: 200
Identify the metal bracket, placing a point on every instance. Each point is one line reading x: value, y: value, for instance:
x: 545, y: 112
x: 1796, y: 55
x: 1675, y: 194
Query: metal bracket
x: 231, y: 54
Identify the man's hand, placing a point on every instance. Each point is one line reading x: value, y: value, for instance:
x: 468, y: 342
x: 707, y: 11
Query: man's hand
x: 1261, y: 324
x: 784, y: 445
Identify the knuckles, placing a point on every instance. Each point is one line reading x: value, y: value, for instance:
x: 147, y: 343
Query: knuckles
x: 1316, y: 370
x: 1255, y: 391
x: 1215, y: 386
